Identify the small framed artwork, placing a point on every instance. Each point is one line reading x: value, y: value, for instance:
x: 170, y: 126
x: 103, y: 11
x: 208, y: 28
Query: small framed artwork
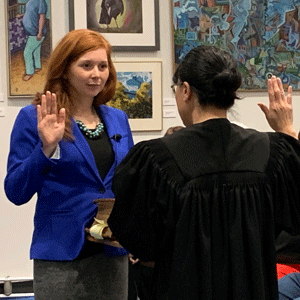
x: 139, y: 93
x: 129, y: 25
x: 263, y: 36
x: 29, y: 42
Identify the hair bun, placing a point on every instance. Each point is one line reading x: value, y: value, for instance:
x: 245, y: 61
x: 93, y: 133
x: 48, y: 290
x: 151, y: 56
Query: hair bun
x: 224, y: 87
x: 228, y: 80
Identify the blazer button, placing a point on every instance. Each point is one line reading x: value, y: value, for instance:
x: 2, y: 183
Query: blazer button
x: 102, y: 190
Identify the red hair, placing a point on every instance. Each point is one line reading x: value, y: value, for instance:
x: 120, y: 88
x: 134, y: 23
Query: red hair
x: 70, y: 48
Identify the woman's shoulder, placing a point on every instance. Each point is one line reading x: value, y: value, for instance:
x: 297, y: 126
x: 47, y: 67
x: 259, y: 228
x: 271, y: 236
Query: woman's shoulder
x: 279, y: 140
x: 284, y: 151
x: 28, y: 108
x: 28, y: 112
x: 106, y: 109
x: 154, y: 150
x: 154, y: 158
x: 26, y: 120
x: 148, y: 150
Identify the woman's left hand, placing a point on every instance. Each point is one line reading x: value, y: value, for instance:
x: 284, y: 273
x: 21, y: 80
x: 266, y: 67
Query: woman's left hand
x: 279, y: 114
x: 133, y: 259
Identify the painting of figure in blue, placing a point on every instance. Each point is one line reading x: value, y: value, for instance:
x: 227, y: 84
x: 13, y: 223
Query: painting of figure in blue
x: 34, y: 21
x: 134, y: 94
x: 115, y: 16
x: 262, y: 35
x: 29, y: 37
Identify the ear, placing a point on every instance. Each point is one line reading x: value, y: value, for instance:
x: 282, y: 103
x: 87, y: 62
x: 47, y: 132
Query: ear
x: 186, y: 91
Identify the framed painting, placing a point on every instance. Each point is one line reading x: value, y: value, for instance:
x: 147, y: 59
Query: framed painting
x: 29, y: 42
x: 139, y: 93
x: 263, y: 36
x: 129, y: 25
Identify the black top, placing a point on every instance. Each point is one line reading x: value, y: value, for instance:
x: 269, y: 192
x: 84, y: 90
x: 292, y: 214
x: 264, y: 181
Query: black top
x: 206, y: 204
x: 103, y: 153
x: 104, y: 158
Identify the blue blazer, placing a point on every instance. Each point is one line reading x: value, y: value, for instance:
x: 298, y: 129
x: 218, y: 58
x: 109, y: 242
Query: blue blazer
x: 65, y: 187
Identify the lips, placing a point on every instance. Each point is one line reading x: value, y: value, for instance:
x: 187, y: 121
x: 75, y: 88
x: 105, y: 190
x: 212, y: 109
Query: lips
x: 93, y: 87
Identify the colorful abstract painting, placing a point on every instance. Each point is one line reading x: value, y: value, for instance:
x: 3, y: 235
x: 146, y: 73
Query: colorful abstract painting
x: 263, y: 36
x: 134, y: 94
x: 29, y: 43
x: 115, y: 16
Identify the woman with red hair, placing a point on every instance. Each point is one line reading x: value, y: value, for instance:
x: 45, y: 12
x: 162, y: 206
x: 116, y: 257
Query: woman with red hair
x: 65, y: 148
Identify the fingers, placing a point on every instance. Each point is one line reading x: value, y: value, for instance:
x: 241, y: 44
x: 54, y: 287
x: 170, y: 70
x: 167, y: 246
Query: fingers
x: 43, y: 106
x: 61, y: 116
x: 53, y: 104
x: 279, y: 89
x: 133, y: 260
x: 271, y: 90
x: 276, y: 91
x: 278, y: 85
x: 48, y: 104
x: 39, y: 113
x: 264, y: 108
x: 289, y: 95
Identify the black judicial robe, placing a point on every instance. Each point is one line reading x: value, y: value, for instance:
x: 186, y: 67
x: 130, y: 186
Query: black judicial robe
x: 206, y: 204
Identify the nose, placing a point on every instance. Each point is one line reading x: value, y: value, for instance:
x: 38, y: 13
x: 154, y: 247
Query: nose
x: 96, y: 72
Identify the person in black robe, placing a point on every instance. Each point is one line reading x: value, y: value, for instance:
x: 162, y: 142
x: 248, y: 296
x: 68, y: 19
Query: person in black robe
x: 140, y: 272
x: 207, y: 202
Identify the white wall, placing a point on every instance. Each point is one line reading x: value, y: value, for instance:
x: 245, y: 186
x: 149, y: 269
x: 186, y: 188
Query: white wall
x: 16, y: 222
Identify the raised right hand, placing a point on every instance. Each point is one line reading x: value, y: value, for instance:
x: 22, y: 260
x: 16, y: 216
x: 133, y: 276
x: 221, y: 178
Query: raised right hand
x: 279, y: 114
x: 51, y: 125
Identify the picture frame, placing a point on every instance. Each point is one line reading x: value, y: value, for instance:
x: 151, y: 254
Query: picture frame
x: 27, y: 52
x: 139, y: 93
x: 263, y: 39
x: 87, y: 14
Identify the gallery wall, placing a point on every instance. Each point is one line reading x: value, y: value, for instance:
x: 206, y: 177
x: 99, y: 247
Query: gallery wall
x: 16, y: 223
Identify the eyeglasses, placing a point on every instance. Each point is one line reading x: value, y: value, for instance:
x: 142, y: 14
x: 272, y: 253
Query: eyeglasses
x: 174, y: 87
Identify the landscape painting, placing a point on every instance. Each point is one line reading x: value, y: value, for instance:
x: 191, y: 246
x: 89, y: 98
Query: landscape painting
x: 134, y: 94
x: 263, y: 36
x: 138, y: 94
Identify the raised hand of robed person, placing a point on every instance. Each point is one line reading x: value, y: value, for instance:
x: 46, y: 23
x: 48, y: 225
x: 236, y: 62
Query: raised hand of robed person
x: 51, y: 125
x: 279, y: 114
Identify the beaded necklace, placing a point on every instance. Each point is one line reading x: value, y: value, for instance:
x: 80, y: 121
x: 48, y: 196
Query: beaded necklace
x: 91, y: 133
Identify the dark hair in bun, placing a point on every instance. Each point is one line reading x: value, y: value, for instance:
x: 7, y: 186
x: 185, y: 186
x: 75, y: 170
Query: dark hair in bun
x: 212, y: 73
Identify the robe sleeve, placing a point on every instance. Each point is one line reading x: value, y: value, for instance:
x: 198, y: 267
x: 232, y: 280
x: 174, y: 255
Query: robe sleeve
x: 143, y: 213
x: 285, y: 182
